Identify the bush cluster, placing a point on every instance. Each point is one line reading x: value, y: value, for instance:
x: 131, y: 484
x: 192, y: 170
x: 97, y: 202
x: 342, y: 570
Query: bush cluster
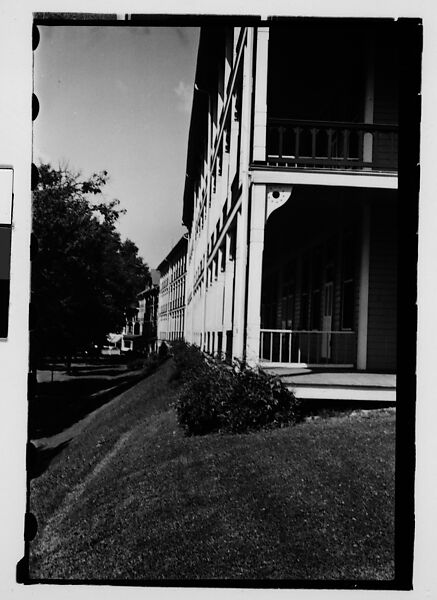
x: 218, y: 398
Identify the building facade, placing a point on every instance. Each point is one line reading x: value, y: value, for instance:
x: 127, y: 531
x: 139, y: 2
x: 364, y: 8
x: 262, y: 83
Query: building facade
x: 291, y: 196
x: 171, y: 305
x: 139, y: 334
x: 147, y: 315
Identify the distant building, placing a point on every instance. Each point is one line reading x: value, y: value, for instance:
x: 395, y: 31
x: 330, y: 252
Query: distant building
x: 131, y: 334
x: 291, y: 195
x: 147, y: 315
x: 171, y: 306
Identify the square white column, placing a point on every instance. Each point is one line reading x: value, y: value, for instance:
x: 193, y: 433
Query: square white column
x: 255, y: 261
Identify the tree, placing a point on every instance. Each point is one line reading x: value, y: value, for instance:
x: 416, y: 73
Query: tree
x: 84, y: 277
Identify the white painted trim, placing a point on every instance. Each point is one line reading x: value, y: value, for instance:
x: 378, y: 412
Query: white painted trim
x: 255, y: 263
x: 242, y: 218
x: 260, y: 108
x: 326, y: 178
x: 347, y: 393
x: 263, y: 364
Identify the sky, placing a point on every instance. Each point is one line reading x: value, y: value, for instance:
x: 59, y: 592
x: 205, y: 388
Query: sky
x: 119, y: 99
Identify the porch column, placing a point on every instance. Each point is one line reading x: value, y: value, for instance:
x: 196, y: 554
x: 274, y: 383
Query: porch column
x: 239, y: 285
x: 363, y: 302
x: 242, y: 217
x: 255, y: 259
x: 260, y: 108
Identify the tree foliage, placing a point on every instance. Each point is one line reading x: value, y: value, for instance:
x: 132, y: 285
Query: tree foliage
x: 84, y: 277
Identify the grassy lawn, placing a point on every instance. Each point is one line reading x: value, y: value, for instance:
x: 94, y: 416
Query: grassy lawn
x: 132, y: 497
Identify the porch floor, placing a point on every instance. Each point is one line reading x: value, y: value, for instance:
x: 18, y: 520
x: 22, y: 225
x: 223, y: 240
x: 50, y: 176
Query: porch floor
x: 335, y: 385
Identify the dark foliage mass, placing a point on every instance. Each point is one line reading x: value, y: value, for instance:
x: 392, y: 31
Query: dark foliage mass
x: 218, y: 398
x: 84, y: 277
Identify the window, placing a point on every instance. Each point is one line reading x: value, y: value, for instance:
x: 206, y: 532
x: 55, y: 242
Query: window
x: 316, y: 280
x: 304, y: 299
x: 348, y: 286
x: 288, y: 289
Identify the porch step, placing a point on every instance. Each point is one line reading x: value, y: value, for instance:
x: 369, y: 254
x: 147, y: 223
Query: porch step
x: 364, y: 394
x: 350, y: 386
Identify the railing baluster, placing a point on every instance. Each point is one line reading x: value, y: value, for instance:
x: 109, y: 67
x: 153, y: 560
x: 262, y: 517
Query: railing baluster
x: 360, y: 145
x: 329, y: 133
x: 262, y: 344
x: 297, y: 131
x: 271, y: 346
x: 280, y: 347
x: 289, y: 347
x: 313, y: 141
x: 318, y: 347
x: 308, y: 347
x: 281, y: 141
x: 345, y: 144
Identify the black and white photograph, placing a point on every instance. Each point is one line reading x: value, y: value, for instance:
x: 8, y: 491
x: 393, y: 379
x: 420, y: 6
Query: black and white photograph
x: 221, y: 329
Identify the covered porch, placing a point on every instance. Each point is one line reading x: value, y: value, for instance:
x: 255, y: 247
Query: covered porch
x: 322, y: 285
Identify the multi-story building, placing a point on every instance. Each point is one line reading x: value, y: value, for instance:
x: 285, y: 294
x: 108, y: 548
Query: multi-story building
x: 291, y: 196
x: 130, y: 337
x: 171, y: 306
x: 147, y: 315
x: 140, y: 330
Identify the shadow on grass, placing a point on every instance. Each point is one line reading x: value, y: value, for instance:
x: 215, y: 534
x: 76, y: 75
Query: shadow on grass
x: 97, y: 371
x: 38, y: 459
x: 60, y: 404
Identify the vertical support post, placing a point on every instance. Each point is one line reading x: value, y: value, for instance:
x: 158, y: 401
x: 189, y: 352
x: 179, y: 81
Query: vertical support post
x: 227, y: 291
x: 256, y: 247
x: 260, y: 108
x: 363, y: 303
x: 239, y: 284
x: 242, y: 218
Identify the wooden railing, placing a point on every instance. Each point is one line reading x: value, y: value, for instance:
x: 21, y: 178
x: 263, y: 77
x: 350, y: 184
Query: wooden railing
x: 331, y: 145
x: 308, y: 347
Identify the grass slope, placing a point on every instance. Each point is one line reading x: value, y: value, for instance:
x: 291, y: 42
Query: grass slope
x: 133, y: 498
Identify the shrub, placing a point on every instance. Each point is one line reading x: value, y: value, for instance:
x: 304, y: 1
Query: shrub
x: 163, y: 352
x: 151, y: 363
x: 188, y: 359
x: 201, y: 407
x: 260, y: 400
x: 217, y: 398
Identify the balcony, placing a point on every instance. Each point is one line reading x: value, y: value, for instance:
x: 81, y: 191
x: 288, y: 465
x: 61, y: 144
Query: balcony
x: 308, y: 348
x: 301, y: 144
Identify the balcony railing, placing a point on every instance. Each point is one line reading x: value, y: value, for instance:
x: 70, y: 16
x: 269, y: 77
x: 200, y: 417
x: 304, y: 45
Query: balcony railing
x: 332, y: 145
x: 308, y: 347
